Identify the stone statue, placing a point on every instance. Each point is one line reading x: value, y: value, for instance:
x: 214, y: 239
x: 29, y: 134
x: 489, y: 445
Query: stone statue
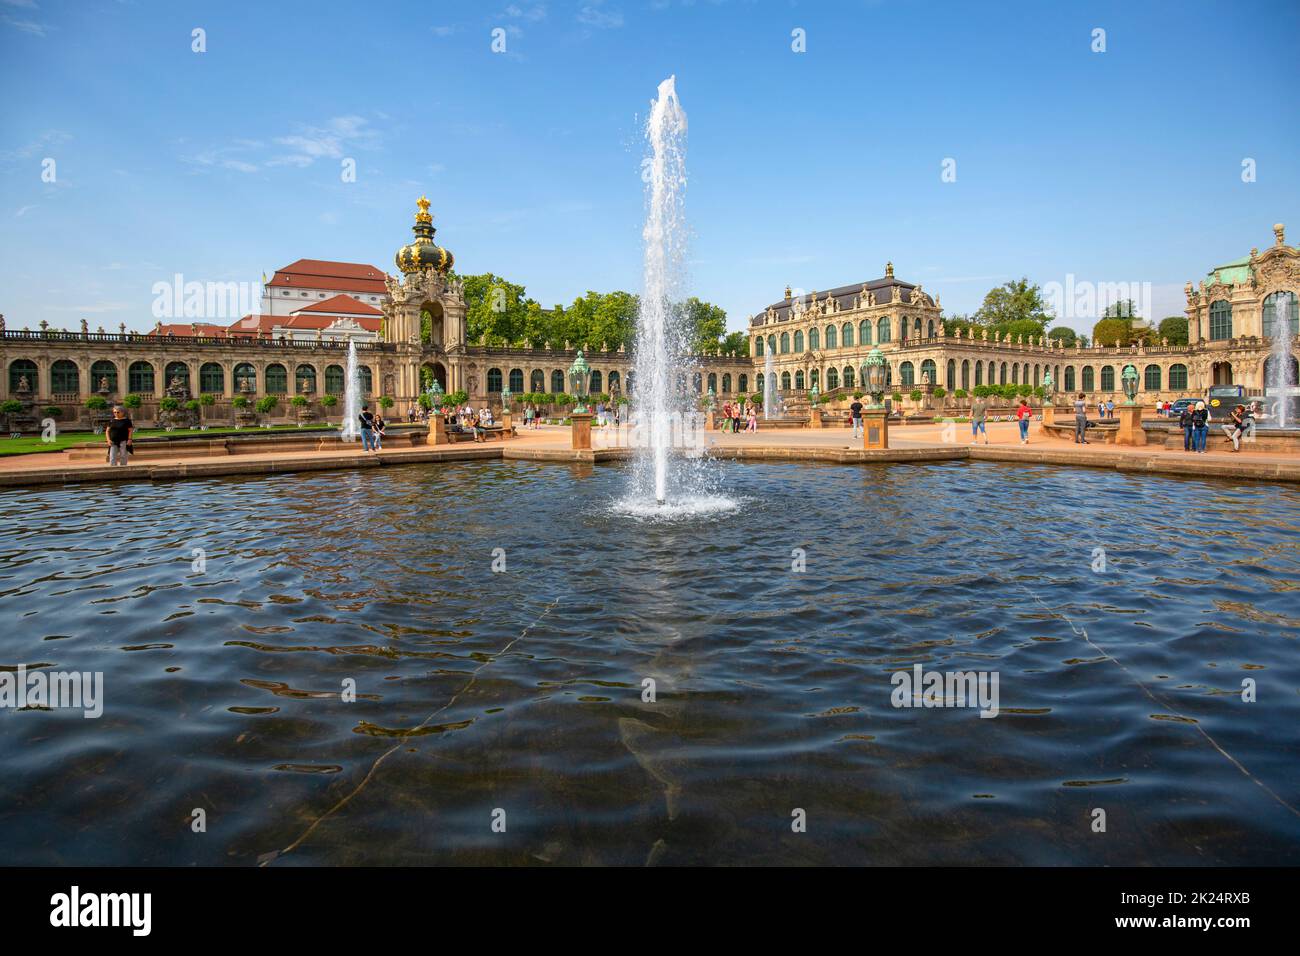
x: 85, y: 327
x: 103, y: 384
x: 23, y: 384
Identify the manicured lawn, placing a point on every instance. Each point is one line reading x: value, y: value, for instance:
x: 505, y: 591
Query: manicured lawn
x: 34, y: 444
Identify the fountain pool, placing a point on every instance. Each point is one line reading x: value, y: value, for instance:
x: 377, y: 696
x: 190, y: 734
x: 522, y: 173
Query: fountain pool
x: 526, y: 690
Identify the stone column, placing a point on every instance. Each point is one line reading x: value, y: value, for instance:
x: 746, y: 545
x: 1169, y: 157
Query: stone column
x: 581, y: 431
x: 875, y: 430
x: 1130, y: 425
x: 437, y: 429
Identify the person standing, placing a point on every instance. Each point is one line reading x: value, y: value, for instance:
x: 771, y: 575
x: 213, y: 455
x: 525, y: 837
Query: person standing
x: 379, y: 431
x: 1200, y: 427
x: 979, y: 413
x: 751, y: 423
x: 1081, y: 420
x: 1023, y: 415
x: 855, y: 413
x: 367, y: 422
x: 118, y: 434
x: 1110, y: 408
x: 1185, y: 423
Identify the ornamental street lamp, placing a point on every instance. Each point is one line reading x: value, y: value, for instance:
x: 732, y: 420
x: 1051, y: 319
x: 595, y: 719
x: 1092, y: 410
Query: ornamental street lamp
x: 579, y: 376
x: 1047, y: 387
x: 505, y: 400
x: 1130, y: 377
x: 875, y: 376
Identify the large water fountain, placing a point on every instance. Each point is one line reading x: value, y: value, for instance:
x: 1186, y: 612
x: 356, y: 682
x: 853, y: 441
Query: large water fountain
x: 1280, y: 380
x: 351, y: 429
x: 659, y: 351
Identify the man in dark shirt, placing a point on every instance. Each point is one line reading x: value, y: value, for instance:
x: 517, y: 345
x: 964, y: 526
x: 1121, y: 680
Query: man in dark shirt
x: 855, y: 412
x: 367, y: 421
x: 118, y: 434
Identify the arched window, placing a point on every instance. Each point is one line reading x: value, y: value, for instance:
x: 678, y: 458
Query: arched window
x: 596, y: 382
x: 979, y: 373
x: 277, y: 379
x: 1151, y: 378
x: 175, y: 370
x: 952, y: 374
x: 798, y: 342
x: 906, y: 374
x: 743, y: 386
x: 1108, y: 378
x: 928, y: 372
x: 771, y: 344
x: 785, y: 381
x: 20, y: 369
x: 1015, y: 373
x: 965, y: 374
x: 363, y: 373
x: 832, y: 377
x: 1069, y: 378
x: 246, y: 373
x: 889, y: 375
x: 1089, y: 379
x: 726, y: 383
x: 798, y: 380
x: 517, y: 380
x: 615, y: 382
x: 929, y: 329
x: 1002, y: 378
x: 758, y: 346
x: 100, y: 371
x: 848, y: 376
x: 916, y: 327
x: 830, y: 337
x: 882, y: 331
x: 814, y: 378
x: 334, y: 384
x: 304, y: 379
x: 494, y: 380
x: 212, y: 378
x: 846, y: 335
x: 1279, y: 302
x: 785, y: 342
x: 713, y: 382
x: 537, y: 381
x: 903, y: 327
x: 139, y: 378
x: 864, y: 332
x: 631, y: 380
x: 1177, y: 378
x: 64, y: 378
x: 557, y: 382
x: 1220, y: 320
x: 759, y: 379
x: 814, y: 339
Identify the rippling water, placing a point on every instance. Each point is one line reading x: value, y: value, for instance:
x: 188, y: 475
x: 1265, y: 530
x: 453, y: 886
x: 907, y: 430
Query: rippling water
x: 522, y: 691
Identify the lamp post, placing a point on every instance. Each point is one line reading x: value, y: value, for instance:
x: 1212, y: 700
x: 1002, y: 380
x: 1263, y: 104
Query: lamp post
x: 1130, y: 413
x: 1049, y: 406
x: 437, y: 426
x: 875, y: 369
x: 506, y: 423
x: 580, y: 417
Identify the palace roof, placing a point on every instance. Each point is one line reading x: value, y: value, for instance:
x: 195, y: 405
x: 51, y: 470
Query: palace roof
x: 340, y: 305
x: 882, y: 289
x: 324, y: 274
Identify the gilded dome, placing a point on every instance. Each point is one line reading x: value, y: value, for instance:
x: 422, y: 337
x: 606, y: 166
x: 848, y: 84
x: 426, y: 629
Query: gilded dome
x: 422, y: 252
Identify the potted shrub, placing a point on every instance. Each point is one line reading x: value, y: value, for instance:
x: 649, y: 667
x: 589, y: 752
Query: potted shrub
x: 52, y: 411
x: 132, y: 401
x: 916, y: 395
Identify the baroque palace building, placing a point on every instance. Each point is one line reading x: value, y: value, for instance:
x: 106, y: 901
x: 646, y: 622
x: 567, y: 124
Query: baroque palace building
x: 411, y: 327
x: 822, y: 339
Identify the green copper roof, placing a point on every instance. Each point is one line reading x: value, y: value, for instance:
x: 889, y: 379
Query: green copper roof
x: 1238, y: 270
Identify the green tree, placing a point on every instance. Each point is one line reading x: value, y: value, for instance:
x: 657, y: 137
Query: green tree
x: 614, y: 321
x: 1018, y: 301
x: 1067, y: 336
x: 1113, y: 331
x: 706, y: 324
x: 736, y: 343
x: 495, y: 309
x: 1174, y: 329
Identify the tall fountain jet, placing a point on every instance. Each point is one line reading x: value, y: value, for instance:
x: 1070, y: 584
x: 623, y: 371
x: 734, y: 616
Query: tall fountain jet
x: 1279, y: 366
x: 351, y: 430
x: 659, y: 347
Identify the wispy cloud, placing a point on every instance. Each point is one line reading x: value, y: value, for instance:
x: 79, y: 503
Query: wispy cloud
x: 40, y: 146
x: 596, y: 14
x: 307, y: 144
x: 22, y: 211
x: 23, y: 24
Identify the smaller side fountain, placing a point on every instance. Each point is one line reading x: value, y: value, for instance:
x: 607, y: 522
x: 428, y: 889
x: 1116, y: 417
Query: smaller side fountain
x: 174, y: 410
x: 244, y: 412
x: 24, y: 417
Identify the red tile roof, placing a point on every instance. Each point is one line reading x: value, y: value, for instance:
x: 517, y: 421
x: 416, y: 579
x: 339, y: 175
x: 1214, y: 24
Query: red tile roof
x: 323, y: 274
x: 265, y: 324
x: 340, y: 305
x: 190, y: 330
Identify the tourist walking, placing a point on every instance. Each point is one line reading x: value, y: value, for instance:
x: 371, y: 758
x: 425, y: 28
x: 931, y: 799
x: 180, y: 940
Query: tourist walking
x: 118, y: 434
x: 751, y: 415
x: 1081, y: 420
x: 367, y: 422
x: 855, y: 413
x: 735, y: 418
x: 379, y: 431
x: 1200, y: 427
x: 1023, y: 415
x: 979, y: 413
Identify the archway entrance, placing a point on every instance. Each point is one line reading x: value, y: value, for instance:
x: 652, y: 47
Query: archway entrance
x: 431, y: 372
x: 1221, y: 373
x: 431, y: 324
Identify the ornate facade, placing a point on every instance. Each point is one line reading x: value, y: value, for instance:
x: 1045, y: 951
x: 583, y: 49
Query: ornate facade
x: 817, y: 339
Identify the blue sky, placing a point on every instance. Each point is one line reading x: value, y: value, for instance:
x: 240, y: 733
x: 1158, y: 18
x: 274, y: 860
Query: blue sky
x: 809, y: 168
